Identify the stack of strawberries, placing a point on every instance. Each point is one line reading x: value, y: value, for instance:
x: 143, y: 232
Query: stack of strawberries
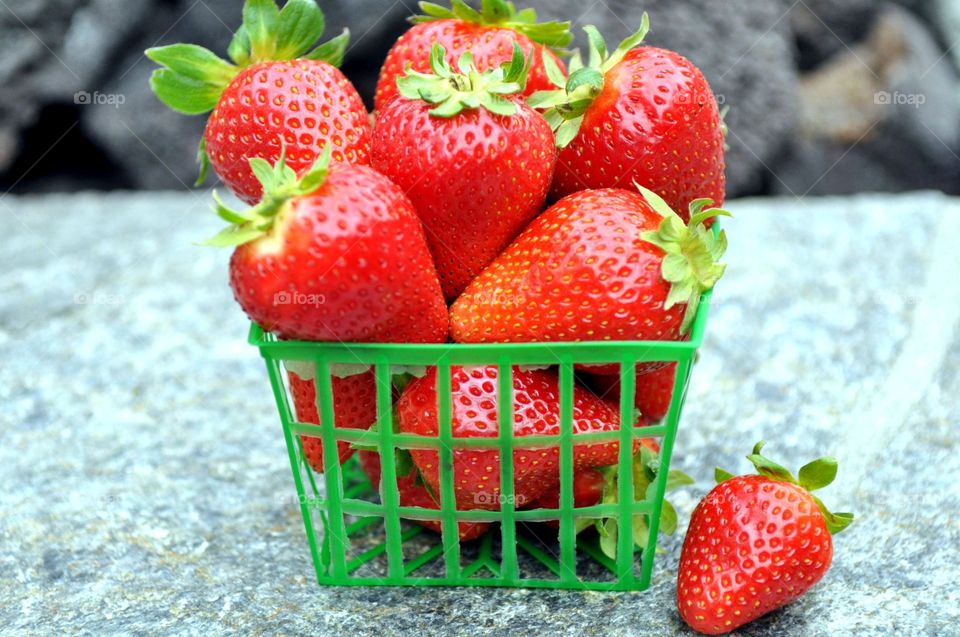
x: 496, y: 194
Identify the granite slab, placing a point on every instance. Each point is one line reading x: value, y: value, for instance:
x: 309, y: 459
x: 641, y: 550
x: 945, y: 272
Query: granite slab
x: 146, y: 488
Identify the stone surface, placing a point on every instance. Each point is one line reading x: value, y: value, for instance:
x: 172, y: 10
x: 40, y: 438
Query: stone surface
x: 147, y: 490
x: 52, y: 51
x: 861, y: 108
x: 823, y: 28
x: 947, y: 15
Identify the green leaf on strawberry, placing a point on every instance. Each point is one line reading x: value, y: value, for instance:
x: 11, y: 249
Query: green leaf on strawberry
x: 566, y: 104
x: 646, y: 464
x: 454, y: 92
x: 500, y: 13
x: 280, y: 185
x: 692, y: 252
x: 721, y: 475
x: 813, y: 475
x: 192, y: 78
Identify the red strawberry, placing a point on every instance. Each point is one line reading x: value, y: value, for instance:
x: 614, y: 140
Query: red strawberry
x: 278, y: 92
x: 354, y: 407
x: 536, y: 404
x: 489, y: 34
x: 337, y: 256
x: 756, y: 543
x: 640, y: 115
x: 587, y: 491
x: 652, y: 394
x: 413, y: 493
x: 474, y: 159
x: 594, y: 267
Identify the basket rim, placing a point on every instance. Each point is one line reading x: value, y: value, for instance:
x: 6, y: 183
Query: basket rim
x: 551, y: 352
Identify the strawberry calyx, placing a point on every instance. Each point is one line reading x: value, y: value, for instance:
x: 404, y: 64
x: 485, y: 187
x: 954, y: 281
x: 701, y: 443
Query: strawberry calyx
x: 690, y: 264
x: 565, y: 106
x: 454, y: 92
x: 812, y: 476
x: 646, y: 465
x: 500, y: 13
x: 280, y: 185
x: 192, y: 78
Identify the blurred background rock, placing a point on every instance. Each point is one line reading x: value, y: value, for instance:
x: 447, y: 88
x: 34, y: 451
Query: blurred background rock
x: 825, y: 96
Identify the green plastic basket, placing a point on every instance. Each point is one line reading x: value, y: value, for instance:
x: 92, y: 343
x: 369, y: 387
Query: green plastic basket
x: 355, y: 539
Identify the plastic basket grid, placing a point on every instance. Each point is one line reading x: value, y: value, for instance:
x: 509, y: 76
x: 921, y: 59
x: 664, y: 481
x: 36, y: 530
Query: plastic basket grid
x: 346, y: 507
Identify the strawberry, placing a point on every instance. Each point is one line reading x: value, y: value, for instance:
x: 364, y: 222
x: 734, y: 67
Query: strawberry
x: 277, y: 92
x: 598, y: 265
x: 639, y: 115
x: 756, y: 543
x: 489, y: 34
x: 354, y: 407
x: 536, y: 404
x: 652, y: 394
x: 338, y: 255
x: 474, y: 159
x: 413, y: 493
x: 587, y: 491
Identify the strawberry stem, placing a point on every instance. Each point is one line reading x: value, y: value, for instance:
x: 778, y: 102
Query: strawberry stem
x: 813, y: 475
x: 454, y: 92
x: 690, y: 264
x: 280, y: 185
x: 564, y: 107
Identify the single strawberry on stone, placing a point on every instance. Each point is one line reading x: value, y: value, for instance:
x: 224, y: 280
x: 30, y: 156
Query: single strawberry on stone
x: 489, y: 34
x: 474, y: 159
x: 756, y: 543
x: 607, y: 264
x: 536, y: 411
x: 637, y: 115
x: 277, y: 91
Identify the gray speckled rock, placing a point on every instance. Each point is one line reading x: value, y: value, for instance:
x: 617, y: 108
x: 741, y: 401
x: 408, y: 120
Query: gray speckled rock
x: 146, y: 488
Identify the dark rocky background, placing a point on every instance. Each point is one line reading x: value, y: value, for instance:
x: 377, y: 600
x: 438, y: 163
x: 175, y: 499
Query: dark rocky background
x: 825, y: 96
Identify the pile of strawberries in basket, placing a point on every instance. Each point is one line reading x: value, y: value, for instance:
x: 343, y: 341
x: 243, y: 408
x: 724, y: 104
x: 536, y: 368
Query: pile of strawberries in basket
x: 503, y: 190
